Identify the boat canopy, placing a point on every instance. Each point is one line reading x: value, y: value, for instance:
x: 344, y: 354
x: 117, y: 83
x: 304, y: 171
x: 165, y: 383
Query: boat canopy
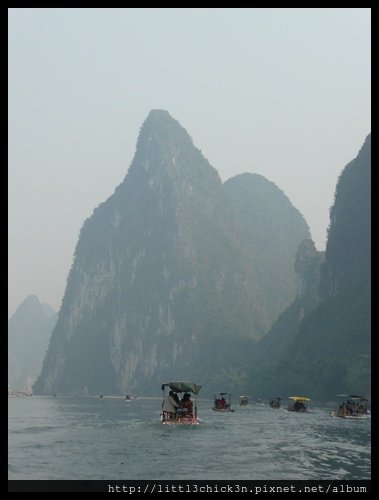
x: 299, y: 398
x: 352, y: 396
x: 182, y: 387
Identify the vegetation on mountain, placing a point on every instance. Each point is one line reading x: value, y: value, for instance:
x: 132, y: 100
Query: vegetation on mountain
x: 329, y: 350
x: 167, y: 281
x: 177, y: 275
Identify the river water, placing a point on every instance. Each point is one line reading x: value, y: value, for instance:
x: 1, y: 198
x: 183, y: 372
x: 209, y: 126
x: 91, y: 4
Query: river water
x: 112, y: 439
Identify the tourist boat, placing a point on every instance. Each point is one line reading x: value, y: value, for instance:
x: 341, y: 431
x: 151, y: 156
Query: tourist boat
x: 298, y: 403
x: 182, y: 415
x: 222, y: 401
x: 244, y: 400
x: 275, y: 402
x: 351, y: 406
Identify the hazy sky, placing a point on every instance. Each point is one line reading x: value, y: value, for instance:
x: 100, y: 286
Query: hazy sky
x: 285, y: 93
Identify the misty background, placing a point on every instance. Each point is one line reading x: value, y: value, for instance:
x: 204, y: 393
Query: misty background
x: 284, y: 93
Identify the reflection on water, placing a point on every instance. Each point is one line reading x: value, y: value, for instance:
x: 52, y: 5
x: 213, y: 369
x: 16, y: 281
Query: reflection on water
x: 93, y: 438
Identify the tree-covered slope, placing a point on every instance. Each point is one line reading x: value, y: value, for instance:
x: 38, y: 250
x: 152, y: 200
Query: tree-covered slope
x: 272, y: 229
x: 329, y: 350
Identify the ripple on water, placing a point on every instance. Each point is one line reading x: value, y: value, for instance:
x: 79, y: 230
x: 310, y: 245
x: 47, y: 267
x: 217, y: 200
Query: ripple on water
x: 67, y: 440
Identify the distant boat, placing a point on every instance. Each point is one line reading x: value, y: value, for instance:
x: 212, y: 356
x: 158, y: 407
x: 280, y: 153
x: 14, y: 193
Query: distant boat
x: 244, y: 400
x: 352, y: 407
x: 185, y: 414
x: 128, y: 396
x: 222, y: 402
x: 13, y: 394
x: 275, y: 402
x: 298, y: 404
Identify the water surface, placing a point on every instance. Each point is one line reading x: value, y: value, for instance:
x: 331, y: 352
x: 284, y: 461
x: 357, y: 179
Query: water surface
x: 112, y: 439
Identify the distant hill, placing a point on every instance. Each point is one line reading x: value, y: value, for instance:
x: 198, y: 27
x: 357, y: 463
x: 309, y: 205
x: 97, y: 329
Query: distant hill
x: 29, y: 331
x: 273, y: 346
x: 272, y: 229
x: 168, y: 280
x: 327, y: 349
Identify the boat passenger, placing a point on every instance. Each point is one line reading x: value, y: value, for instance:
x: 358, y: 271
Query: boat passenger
x: 176, y: 397
x: 344, y: 409
x: 169, y: 405
x: 186, y: 403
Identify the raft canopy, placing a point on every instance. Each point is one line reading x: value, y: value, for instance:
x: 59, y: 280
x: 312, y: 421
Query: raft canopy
x: 182, y: 387
x: 352, y: 396
x: 299, y: 398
